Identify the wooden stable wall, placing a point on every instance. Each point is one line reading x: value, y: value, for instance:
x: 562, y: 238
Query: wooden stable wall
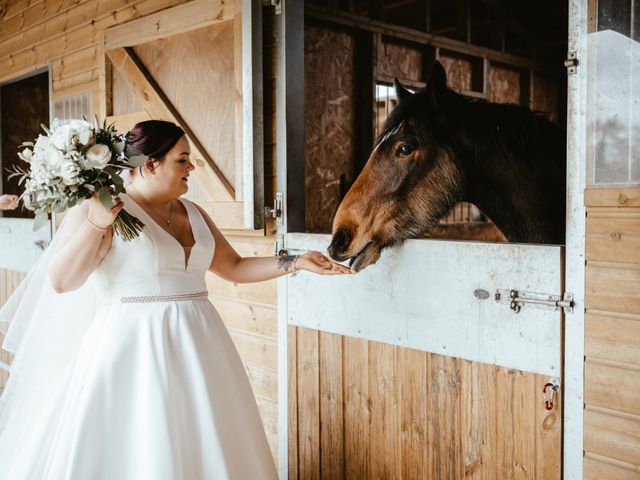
x: 612, y: 335
x: 369, y: 410
x: 69, y: 35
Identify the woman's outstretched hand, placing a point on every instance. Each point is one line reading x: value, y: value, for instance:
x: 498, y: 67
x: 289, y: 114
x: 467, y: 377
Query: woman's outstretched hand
x: 317, y: 263
x: 8, y: 202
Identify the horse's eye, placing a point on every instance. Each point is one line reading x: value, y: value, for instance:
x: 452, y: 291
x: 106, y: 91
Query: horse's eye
x: 403, y: 150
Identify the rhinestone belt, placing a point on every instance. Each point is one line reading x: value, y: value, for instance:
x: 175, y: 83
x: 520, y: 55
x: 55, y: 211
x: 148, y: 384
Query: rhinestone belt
x: 165, y: 298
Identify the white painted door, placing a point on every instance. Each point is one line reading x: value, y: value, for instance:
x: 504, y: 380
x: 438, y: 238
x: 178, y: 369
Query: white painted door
x: 449, y: 298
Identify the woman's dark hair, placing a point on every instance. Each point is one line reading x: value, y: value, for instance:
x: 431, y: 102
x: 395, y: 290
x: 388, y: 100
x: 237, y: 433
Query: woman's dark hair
x: 153, y: 138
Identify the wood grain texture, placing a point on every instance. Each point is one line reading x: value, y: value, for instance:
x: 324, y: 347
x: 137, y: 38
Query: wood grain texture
x: 612, y: 334
x: 459, y: 72
x: 205, y: 97
x: 613, y: 386
x: 408, y: 414
x: 504, y: 85
x: 331, y: 406
x: 612, y: 434
x: 400, y: 60
x: 612, y: 197
x: 159, y: 106
x: 612, y: 287
x: 308, y: 404
x: 613, y: 234
x: 329, y: 122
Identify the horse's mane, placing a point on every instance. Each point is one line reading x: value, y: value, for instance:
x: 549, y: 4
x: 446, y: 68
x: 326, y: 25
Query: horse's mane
x: 507, y: 130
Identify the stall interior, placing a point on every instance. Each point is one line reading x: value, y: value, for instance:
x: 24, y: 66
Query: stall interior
x: 493, y: 50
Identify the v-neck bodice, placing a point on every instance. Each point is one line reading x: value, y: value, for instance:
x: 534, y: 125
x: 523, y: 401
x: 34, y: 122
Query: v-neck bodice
x: 154, y: 262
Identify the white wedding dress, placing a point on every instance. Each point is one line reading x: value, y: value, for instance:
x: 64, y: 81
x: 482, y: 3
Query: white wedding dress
x: 158, y: 390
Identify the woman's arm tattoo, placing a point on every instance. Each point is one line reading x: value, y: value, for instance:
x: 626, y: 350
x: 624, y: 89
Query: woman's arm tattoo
x: 286, y: 262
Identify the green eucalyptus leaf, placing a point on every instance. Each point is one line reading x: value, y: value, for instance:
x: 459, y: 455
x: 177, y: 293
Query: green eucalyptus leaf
x: 105, y: 197
x: 117, y: 179
x: 118, y: 147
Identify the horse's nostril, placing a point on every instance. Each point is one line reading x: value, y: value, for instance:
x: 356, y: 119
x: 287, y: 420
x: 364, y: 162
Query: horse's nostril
x: 339, y: 243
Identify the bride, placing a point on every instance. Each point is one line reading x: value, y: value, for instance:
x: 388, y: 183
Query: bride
x: 123, y: 369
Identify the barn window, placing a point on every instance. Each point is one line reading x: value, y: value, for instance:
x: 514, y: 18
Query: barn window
x: 614, y: 124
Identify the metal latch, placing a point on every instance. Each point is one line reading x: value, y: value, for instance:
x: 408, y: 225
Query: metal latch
x: 276, y: 211
x: 516, y: 299
x: 571, y: 62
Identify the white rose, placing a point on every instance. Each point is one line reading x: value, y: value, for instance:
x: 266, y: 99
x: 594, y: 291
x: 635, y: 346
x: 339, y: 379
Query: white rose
x: 81, y: 131
x: 53, y: 158
x: 98, y: 156
x: 69, y: 173
x: 42, y: 143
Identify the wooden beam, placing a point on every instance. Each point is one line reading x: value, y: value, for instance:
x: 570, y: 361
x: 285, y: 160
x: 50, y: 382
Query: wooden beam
x: 157, y: 104
x: 416, y: 36
x: 172, y: 21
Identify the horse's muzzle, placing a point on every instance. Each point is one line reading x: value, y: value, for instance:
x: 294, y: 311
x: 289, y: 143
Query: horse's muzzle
x: 339, y: 245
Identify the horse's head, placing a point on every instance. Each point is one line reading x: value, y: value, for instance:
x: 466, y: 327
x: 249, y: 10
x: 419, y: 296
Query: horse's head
x: 411, y: 179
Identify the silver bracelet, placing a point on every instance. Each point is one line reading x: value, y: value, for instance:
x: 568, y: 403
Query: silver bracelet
x: 96, y: 226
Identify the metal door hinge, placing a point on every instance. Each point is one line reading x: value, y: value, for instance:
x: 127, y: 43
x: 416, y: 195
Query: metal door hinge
x: 516, y: 299
x: 276, y: 211
x: 275, y: 3
x: 571, y: 62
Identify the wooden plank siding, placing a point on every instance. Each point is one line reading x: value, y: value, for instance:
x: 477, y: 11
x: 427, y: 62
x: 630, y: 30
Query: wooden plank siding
x: 612, y: 334
x: 371, y: 410
x: 70, y: 35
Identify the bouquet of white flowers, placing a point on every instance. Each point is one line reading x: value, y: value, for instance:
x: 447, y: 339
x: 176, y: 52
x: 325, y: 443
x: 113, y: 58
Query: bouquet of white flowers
x: 70, y: 163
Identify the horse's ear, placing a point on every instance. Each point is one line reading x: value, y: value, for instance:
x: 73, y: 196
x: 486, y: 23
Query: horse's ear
x: 436, y: 85
x: 401, y: 92
x: 437, y: 78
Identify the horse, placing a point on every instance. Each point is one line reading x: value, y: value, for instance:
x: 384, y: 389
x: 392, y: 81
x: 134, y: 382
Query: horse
x: 438, y: 148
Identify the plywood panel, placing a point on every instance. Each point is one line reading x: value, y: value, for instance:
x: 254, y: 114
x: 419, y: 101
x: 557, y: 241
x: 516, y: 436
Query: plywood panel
x: 328, y: 120
x: 458, y: 72
x: 400, y: 61
x: 504, y: 85
x: 205, y: 97
x: 545, y: 96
